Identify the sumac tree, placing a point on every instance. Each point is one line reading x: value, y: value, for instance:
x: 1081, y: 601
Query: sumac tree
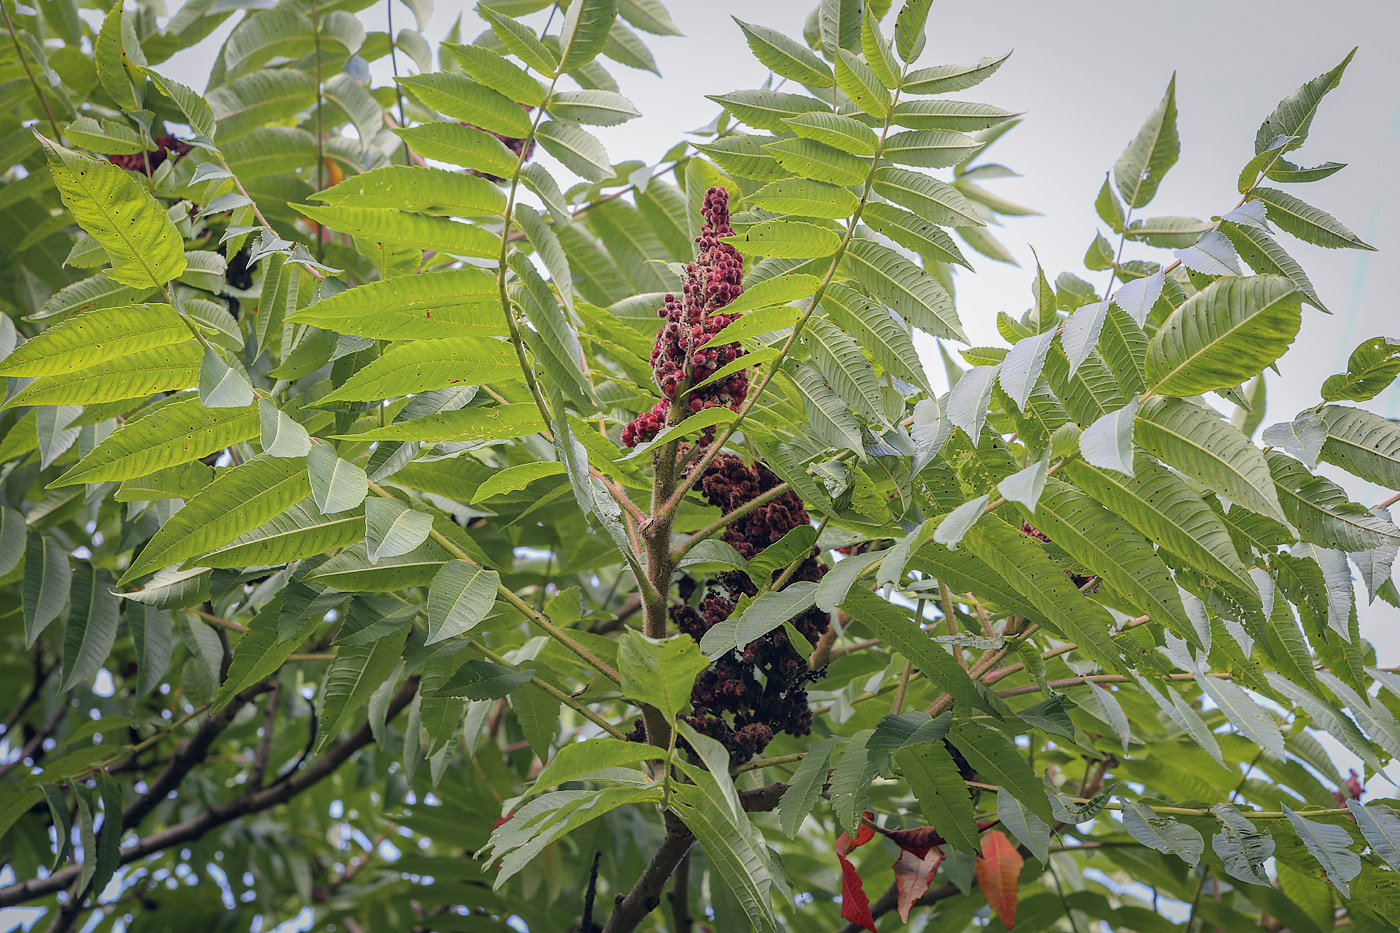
x: 398, y: 533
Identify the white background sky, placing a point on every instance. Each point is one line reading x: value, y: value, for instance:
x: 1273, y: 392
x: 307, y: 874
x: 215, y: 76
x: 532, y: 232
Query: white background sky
x: 1086, y: 73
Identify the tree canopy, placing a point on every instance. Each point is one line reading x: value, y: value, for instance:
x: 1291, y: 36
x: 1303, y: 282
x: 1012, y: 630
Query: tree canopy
x: 401, y: 530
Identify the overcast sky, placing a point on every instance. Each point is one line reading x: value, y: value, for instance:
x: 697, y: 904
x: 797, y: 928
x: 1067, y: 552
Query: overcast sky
x: 1085, y: 80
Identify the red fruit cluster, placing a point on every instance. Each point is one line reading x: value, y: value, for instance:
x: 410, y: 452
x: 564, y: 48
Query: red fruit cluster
x: 167, y: 146
x: 744, y: 699
x: 1351, y: 789
x: 682, y: 356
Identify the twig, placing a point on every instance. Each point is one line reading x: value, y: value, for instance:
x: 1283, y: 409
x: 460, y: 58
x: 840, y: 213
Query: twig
x: 680, y: 897
x: 394, y: 64
x: 590, y: 893
x: 34, y: 748
x: 252, y: 801
x: 555, y: 692
x: 216, y: 620
x: 768, y: 762
x: 188, y: 756
x: 530, y: 612
x: 41, y: 675
x: 645, y: 895
x: 24, y: 60
x: 720, y: 523
x: 274, y: 697
x: 320, y: 127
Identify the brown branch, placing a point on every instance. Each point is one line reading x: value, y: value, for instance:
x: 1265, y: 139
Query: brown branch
x: 589, y: 895
x: 645, y: 896
x: 323, y: 893
x: 187, y: 757
x: 41, y: 675
x: 680, y: 897
x: 274, y: 699
x: 34, y: 748
x: 34, y: 82
x: 252, y: 801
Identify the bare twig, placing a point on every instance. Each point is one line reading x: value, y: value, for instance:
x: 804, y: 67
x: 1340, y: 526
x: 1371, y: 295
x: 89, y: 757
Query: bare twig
x: 590, y: 893
x: 252, y: 801
x: 680, y: 897
x: 24, y: 60
x: 274, y: 698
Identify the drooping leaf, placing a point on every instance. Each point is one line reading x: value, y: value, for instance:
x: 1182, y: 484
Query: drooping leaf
x: 1363, y: 443
x: 769, y: 611
x: 176, y: 433
x: 806, y: 785
x: 417, y: 188
x: 1371, y: 368
x: 955, y: 524
x: 660, y: 672
x: 1210, y: 451
x: 145, y: 248
x: 336, y: 484
x: 452, y: 142
x: 1108, y: 442
x: 393, y: 528
x: 424, y: 365
x: 1306, y: 222
x: 93, y: 616
x: 1331, y: 846
x: 354, y: 675
x: 1294, y: 114
x: 299, y: 532
x: 1163, y: 833
x: 1380, y: 827
x: 1302, y: 437
x: 281, y: 434
x: 579, y: 150
x: 1322, y: 511
x: 585, y: 32
x: 1212, y: 254
x: 786, y: 57
x: 1020, y: 371
x: 1102, y: 542
x: 998, y: 875
x: 943, y: 798
x: 163, y: 369
x: 461, y: 595
x: 943, y: 79
x: 47, y: 578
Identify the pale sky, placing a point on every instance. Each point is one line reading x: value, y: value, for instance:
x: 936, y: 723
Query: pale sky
x: 1086, y: 73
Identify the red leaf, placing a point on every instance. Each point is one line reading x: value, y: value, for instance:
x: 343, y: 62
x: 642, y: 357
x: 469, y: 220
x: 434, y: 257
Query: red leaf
x: 912, y: 874
x: 917, y: 841
x: 998, y: 874
x: 855, y: 906
x: 921, y: 839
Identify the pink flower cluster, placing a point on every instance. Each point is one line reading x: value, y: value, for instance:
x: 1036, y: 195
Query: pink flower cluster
x: 682, y: 356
